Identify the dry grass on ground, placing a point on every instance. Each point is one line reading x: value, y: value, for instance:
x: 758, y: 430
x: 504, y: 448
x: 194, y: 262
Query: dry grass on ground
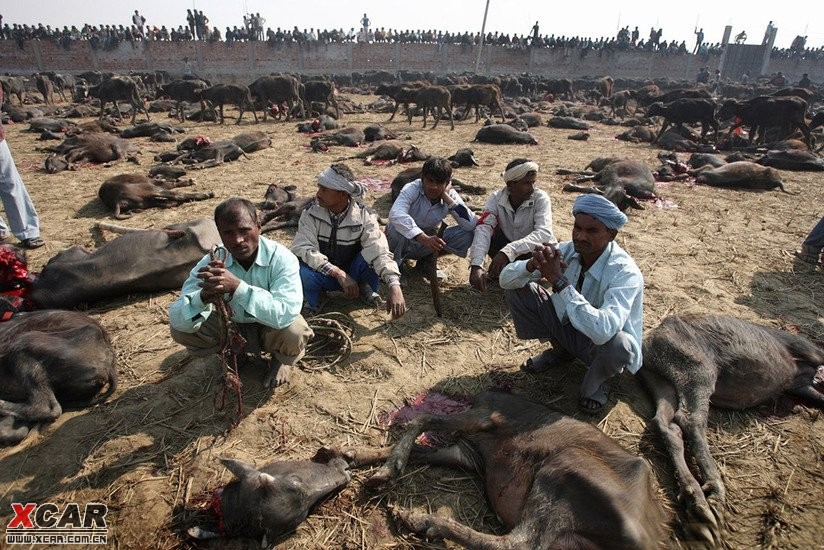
x: 150, y: 451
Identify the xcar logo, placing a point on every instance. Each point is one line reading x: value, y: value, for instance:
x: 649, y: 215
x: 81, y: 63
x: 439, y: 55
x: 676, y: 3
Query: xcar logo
x: 48, y: 524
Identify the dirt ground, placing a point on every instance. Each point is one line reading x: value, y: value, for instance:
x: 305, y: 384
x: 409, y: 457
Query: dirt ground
x: 150, y: 452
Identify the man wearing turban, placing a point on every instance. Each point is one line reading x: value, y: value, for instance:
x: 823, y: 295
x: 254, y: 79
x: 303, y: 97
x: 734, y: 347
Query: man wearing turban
x: 594, y: 310
x: 515, y: 220
x: 341, y: 246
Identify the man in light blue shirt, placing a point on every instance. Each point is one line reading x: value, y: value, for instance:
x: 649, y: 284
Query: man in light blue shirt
x: 260, y: 279
x: 419, y: 210
x: 594, y: 311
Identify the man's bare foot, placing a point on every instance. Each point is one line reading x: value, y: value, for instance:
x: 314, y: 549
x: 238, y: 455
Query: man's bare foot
x: 278, y: 374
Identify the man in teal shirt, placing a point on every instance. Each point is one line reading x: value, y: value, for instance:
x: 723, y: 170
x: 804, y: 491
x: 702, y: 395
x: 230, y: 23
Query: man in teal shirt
x: 260, y: 279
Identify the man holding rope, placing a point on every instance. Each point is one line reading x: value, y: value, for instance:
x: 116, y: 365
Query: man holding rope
x: 341, y: 246
x: 258, y: 279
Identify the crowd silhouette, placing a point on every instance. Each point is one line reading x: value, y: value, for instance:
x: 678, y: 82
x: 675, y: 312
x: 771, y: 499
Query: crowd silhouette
x: 197, y: 27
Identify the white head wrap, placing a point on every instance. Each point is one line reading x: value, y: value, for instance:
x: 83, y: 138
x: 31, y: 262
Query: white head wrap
x: 332, y: 180
x: 517, y: 172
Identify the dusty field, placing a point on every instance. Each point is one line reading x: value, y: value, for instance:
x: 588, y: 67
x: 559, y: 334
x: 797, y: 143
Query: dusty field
x: 150, y: 453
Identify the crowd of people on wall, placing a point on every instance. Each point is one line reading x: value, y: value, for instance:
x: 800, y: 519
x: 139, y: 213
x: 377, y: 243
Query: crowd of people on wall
x: 252, y: 29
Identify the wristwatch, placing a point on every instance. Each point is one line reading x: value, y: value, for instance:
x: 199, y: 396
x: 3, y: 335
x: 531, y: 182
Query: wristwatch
x: 560, y: 284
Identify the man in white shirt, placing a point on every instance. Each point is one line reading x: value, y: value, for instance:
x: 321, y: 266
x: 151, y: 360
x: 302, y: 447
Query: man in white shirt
x: 418, y: 212
x: 595, y: 309
x: 515, y: 220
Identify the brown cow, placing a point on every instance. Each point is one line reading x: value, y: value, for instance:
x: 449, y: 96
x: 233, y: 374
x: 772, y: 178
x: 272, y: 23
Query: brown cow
x: 220, y: 94
x: 555, y: 482
x: 431, y: 98
x: 126, y: 194
x: 97, y: 148
x: 119, y: 88
x: 475, y: 95
x: 50, y: 360
x: 741, y: 175
x: 401, y: 94
x: 690, y: 362
x: 604, y: 87
x: 45, y: 87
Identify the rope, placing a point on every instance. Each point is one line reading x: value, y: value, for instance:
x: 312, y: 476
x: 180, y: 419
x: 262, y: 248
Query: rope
x: 332, y: 342
x: 231, y: 343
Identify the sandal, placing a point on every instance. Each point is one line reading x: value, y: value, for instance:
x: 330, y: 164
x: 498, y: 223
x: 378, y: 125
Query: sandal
x: 595, y: 403
x: 546, y: 360
x: 34, y: 242
x: 809, y: 254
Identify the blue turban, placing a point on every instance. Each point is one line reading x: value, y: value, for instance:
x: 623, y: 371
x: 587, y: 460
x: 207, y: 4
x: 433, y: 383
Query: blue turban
x: 601, y: 209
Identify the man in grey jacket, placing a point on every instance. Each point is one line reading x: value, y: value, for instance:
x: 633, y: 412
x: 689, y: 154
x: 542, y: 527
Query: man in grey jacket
x: 341, y: 247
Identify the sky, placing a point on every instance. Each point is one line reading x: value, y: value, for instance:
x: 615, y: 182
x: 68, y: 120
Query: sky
x: 587, y: 18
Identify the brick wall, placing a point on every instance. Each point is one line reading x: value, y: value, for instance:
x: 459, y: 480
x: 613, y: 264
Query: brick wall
x: 244, y: 61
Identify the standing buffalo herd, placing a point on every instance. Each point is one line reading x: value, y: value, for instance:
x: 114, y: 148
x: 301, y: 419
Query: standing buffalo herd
x: 553, y: 481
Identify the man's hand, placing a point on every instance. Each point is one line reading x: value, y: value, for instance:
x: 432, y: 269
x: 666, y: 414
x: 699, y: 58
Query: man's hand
x: 395, y: 304
x: 347, y: 283
x: 547, y: 259
x: 477, y: 277
x: 432, y: 242
x: 445, y: 195
x: 216, y: 280
x: 498, y: 263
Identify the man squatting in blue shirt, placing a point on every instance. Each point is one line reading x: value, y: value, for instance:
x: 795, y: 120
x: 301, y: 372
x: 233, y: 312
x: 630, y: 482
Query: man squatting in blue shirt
x: 260, y: 279
x: 594, y: 311
x: 420, y: 208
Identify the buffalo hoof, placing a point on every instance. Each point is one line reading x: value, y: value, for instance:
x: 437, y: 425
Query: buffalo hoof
x: 417, y: 522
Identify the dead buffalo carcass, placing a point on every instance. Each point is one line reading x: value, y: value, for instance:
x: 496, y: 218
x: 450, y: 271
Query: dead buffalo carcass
x: 250, y: 142
x: 50, y: 360
x: 272, y: 501
x: 346, y: 137
x: 740, y: 175
x: 206, y: 154
x: 148, y: 129
x: 377, y: 132
x: 281, y: 207
x: 139, y: 261
x: 690, y: 362
x: 555, y: 482
x: 463, y: 157
x: 622, y: 182
x: 793, y: 159
x: 96, y: 148
x: 504, y: 133
x: 130, y: 193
